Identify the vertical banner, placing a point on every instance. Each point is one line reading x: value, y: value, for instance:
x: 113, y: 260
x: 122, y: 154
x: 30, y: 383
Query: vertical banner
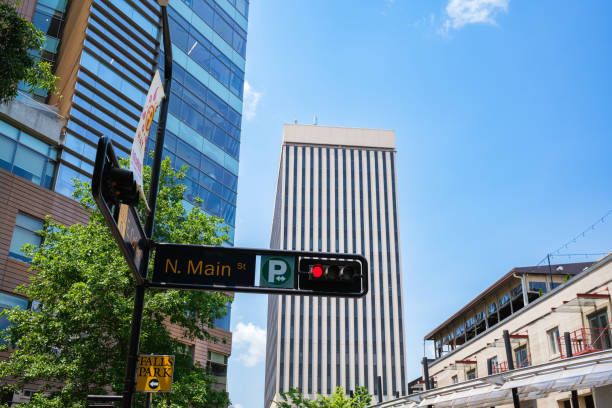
x: 154, y: 97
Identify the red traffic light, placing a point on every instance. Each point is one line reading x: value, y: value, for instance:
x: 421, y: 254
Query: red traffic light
x: 317, y: 270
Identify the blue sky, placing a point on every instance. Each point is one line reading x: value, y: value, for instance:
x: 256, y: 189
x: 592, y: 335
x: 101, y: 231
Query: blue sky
x: 502, y: 116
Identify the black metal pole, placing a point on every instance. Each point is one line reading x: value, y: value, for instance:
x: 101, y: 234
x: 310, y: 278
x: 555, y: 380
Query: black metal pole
x: 428, y: 384
x: 132, y: 360
x: 508, y: 346
x: 549, y: 273
x: 148, y: 400
x: 570, y: 353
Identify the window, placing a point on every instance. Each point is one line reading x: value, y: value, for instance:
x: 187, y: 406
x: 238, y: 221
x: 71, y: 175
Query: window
x: 600, y: 330
x: 224, y: 321
x: 492, y: 365
x: 25, y: 232
x: 26, y: 156
x: 10, y: 301
x: 471, y: 374
x: 521, y: 356
x: 539, y: 287
x: 553, y: 340
x: 186, y: 350
x: 455, y: 379
x: 217, y: 364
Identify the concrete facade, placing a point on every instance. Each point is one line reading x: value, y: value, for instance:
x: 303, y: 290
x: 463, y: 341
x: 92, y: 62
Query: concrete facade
x: 336, y: 193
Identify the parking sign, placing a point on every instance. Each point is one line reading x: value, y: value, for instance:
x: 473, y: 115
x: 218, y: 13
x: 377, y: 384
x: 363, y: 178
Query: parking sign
x: 277, y: 271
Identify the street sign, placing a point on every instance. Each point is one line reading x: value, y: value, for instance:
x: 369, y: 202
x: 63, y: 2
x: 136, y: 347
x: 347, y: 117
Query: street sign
x: 122, y: 219
x: 197, y: 267
x: 277, y: 271
x: 201, y: 266
x: 155, y: 373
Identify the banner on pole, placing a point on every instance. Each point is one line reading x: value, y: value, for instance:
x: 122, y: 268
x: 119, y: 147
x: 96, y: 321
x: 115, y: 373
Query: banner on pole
x: 154, y: 97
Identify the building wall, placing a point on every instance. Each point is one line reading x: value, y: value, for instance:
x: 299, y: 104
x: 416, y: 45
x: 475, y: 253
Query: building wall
x: 534, y: 321
x: 334, y: 196
x: 19, y: 195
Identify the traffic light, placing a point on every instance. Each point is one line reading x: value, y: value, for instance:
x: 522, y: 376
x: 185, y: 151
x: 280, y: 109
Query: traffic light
x: 329, y: 277
x: 119, y: 186
x: 111, y: 183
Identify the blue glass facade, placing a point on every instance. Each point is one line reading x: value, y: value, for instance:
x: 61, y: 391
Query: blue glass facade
x: 120, y: 51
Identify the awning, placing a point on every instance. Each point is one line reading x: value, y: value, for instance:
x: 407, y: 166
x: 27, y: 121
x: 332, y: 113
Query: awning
x: 585, y: 371
x: 564, y: 379
x: 582, y: 300
x: 515, y: 339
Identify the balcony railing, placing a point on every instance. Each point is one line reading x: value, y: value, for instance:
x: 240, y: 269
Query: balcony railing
x: 587, y: 340
x: 503, y: 366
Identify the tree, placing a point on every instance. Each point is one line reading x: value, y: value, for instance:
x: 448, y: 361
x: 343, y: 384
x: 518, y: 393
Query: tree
x: 76, y: 342
x: 20, y: 47
x: 294, y: 399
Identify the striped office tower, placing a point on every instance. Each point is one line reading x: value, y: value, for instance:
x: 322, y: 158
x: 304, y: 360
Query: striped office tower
x: 337, y: 192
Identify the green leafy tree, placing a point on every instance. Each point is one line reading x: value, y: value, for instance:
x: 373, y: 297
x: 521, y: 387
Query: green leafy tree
x: 76, y: 343
x: 20, y: 46
x: 294, y: 399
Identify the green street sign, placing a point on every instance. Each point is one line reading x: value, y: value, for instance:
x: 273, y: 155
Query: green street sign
x: 277, y: 271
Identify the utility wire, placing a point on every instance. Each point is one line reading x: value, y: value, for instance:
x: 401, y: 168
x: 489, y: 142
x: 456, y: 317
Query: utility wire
x: 601, y: 220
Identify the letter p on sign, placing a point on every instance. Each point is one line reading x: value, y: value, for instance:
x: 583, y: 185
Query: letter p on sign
x: 277, y: 271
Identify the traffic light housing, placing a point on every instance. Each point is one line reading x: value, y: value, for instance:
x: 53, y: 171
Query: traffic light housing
x: 110, y: 182
x: 333, y: 277
x: 119, y: 186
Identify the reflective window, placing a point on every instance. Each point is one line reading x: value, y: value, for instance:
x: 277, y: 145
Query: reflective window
x: 26, y: 232
x: 26, y: 156
x: 539, y: 287
x: 10, y: 301
x: 553, y: 340
x: 224, y: 322
x: 492, y: 365
x: 65, y: 180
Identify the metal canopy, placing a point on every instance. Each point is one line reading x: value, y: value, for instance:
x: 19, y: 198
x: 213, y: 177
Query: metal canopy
x: 462, y: 364
x: 534, y: 382
x: 515, y: 339
x: 582, y: 300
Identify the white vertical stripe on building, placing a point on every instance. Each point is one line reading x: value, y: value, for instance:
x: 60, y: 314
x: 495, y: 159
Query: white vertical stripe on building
x: 306, y: 299
x: 384, y: 274
x: 324, y: 247
x: 297, y: 318
x: 367, y: 204
x: 341, y: 341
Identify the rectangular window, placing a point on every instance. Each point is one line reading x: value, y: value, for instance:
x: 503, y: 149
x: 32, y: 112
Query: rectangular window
x: 26, y: 156
x: 10, y: 301
x: 539, y: 287
x: 223, y: 322
x: 471, y: 374
x: 521, y: 356
x: 492, y: 365
x: 455, y: 379
x: 553, y: 340
x: 26, y: 232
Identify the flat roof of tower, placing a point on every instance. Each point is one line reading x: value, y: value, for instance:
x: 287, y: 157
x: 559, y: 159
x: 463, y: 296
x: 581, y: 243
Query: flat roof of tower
x: 338, y: 136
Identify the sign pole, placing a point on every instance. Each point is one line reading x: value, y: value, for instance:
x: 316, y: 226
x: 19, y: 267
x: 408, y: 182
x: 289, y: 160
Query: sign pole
x: 130, y: 375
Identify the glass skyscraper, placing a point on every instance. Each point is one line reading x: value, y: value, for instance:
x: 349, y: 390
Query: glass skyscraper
x: 107, y: 55
x: 336, y: 192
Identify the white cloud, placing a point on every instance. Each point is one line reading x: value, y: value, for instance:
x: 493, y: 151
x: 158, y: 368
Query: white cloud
x: 250, y: 100
x: 237, y: 406
x: 462, y: 12
x: 250, y: 340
